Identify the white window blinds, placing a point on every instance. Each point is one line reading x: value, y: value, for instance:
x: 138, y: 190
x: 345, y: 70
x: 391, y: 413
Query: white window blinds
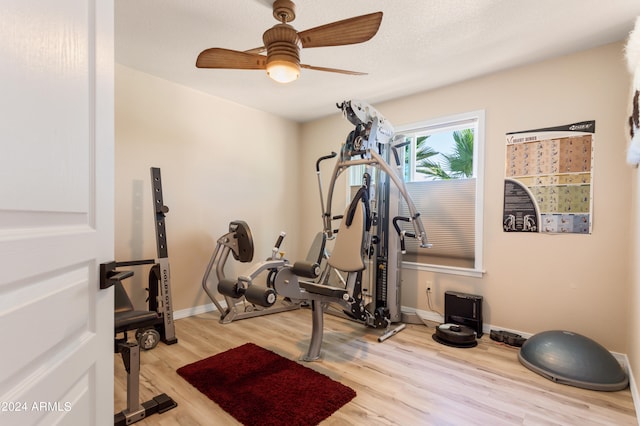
x: 447, y: 209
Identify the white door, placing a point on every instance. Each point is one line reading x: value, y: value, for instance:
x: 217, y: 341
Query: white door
x: 56, y: 211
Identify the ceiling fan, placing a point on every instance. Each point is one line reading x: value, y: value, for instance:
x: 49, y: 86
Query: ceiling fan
x: 282, y: 45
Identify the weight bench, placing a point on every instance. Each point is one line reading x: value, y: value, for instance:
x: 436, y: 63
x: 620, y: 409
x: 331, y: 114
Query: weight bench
x: 127, y: 319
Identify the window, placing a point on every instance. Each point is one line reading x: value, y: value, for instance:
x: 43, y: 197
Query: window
x: 443, y: 164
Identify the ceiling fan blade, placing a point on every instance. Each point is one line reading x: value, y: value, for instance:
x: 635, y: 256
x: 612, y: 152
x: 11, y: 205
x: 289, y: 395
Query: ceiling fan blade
x: 311, y: 67
x: 349, y: 31
x: 261, y: 49
x: 231, y: 59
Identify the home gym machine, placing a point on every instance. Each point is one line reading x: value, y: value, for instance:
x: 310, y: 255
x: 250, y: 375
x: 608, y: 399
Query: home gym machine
x: 244, y: 298
x: 365, y: 248
x: 364, y: 236
x: 150, y: 325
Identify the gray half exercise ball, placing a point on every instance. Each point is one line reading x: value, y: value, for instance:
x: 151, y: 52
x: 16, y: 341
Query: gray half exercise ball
x: 572, y: 359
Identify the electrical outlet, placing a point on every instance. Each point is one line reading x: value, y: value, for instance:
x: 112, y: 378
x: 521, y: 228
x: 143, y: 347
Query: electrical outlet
x: 429, y: 284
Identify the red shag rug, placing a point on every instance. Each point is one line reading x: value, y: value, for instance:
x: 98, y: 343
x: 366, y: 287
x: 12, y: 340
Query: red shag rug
x: 257, y: 386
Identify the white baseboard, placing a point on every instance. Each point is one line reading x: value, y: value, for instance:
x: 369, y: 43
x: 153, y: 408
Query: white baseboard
x: 439, y: 318
x: 422, y: 315
x: 632, y: 385
x: 196, y: 310
x: 486, y: 328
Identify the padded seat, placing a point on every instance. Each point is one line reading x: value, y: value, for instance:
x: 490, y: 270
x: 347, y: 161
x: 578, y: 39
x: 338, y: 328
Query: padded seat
x: 126, y: 321
x: 347, y: 251
x: 126, y: 317
x: 323, y: 290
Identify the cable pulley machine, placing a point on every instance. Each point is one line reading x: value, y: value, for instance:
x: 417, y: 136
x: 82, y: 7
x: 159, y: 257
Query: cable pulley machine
x: 369, y: 294
x: 371, y: 144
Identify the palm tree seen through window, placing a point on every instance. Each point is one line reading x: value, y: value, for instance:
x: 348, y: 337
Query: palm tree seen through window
x: 440, y: 155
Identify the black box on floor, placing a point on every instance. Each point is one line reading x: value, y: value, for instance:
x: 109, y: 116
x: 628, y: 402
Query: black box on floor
x: 463, y: 309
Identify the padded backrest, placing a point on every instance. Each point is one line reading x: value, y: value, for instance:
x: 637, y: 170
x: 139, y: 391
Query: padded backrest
x: 241, y: 233
x: 122, y: 301
x: 347, y: 252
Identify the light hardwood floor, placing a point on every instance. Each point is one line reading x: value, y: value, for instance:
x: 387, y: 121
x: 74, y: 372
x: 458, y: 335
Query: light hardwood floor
x: 407, y: 380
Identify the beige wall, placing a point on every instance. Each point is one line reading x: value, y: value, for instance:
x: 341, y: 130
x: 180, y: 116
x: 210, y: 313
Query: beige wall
x: 532, y: 282
x: 633, y: 350
x: 220, y: 161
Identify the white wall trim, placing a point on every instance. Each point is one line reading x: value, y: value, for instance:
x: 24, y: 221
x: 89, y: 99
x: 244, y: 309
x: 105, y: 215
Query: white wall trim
x: 196, y: 310
x: 486, y: 328
x: 632, y: 385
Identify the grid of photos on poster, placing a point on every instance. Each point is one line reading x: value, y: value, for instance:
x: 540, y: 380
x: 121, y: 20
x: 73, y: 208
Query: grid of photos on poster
x: 548, y: 184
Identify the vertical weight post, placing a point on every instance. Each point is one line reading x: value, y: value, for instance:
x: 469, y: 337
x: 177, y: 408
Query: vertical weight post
x: 164, y: 276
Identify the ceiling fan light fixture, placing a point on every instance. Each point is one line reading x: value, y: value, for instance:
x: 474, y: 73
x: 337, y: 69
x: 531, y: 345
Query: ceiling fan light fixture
x: 283, y: 71
x: 282, y: 44
x: 283, y: 53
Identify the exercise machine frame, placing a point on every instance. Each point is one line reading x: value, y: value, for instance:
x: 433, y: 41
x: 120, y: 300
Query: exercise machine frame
x: 151, y: 325
x: 369, y: 144
x: 126, y: 319
x: 366, y: 230
x: 159, y: 298
x: 372, y: 144
x: 261, y: 299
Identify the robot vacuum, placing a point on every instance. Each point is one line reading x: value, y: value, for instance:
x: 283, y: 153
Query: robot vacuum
x: 458, y: 336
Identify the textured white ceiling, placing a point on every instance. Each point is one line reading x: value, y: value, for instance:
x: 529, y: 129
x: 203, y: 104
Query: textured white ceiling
x: 421, y: 44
